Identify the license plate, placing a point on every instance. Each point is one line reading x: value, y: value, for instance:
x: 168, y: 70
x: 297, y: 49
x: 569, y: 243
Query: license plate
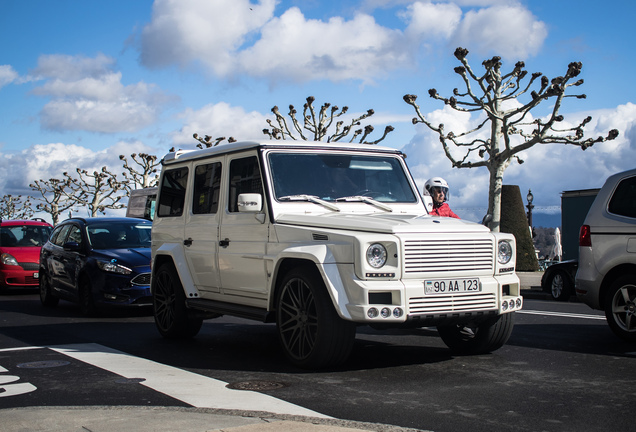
x: 36, y: 275
x: 451, y: 286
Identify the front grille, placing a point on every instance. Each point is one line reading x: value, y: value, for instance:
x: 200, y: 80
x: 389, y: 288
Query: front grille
x: 30, y: 266
x: 452, y: 303
x: 30, y: 280
x: 141, y: 279
x: 448, y: 255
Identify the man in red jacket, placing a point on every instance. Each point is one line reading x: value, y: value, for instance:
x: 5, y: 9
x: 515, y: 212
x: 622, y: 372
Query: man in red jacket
x: 438, y: 189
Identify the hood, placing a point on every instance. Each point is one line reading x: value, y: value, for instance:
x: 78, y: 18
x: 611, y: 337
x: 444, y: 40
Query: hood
x: 23, y: 254
x: 383, y: 223
x: 128, y: 257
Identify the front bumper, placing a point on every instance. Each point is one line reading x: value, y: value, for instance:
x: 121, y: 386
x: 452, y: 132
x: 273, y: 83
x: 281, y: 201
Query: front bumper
x: 400, y: 301
x: 16, y: 276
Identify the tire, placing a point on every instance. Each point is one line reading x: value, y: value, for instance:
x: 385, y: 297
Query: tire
x: 46, y: 295
x: 620, y: 307
x: 172, y: 317
x: 560, y: 286
x: 311, y: 333
x: 478, y: 338
x: 85, y: 297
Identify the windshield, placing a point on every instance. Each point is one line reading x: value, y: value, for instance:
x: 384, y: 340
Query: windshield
x: 119, y: 235
x: 24, y: 235
x: 330, y: 177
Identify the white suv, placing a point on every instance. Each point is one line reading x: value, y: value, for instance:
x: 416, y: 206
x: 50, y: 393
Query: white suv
x: 320, y: 238
x: 606, y: 276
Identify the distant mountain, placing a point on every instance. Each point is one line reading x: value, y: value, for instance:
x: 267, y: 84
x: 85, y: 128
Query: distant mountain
x: 546, y: 220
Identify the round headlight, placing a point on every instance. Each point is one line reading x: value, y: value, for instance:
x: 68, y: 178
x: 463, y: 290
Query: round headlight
x: 376, y: 255
x: 504, y: 252
x: 9, y: 260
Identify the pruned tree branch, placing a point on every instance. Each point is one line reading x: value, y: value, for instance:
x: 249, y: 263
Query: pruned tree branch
x: 144, y: 174
x: 507, y: 130
x: 14, y: 207
x: 53, y: 200
x: 319, y: 122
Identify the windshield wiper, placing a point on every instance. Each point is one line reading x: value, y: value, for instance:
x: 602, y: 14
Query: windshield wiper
x: 310, y: 198
x: 367, y: 200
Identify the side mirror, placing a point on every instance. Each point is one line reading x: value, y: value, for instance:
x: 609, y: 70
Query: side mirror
x: 428, y: 202
x: 250, y: 203
x: 72, y: 246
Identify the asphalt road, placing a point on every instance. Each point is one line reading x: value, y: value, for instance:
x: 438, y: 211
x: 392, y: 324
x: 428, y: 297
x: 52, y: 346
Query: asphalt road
x: 562, y: 370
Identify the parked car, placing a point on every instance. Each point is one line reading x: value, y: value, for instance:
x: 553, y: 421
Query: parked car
x: 558, y: 279
x: 97, y: 262
x: 20, y: 243
x: 606, y: 276
x: 320, y: 238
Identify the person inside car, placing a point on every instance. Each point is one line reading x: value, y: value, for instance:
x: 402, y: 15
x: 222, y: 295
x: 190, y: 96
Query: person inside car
x: 30, y: 238
x: 438, y: 190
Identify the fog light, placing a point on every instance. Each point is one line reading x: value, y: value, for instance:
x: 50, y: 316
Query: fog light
x: 372, y: 313
x: 398, y: 312
x: 504, y: 305
x: 512, y: 304
x: 386, y: 312
x: 110, y: 296
x: 518, y: 302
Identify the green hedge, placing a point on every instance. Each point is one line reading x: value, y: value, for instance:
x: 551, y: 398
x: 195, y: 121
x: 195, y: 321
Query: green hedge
x: 515, y: 221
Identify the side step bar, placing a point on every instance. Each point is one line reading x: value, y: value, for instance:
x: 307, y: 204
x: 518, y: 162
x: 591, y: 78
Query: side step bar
x: 222, y: 308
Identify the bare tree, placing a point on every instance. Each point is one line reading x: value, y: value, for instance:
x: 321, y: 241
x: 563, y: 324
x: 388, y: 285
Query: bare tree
x: 318, y: 124
x: 143, y: 174
x: 13, y: 207
x: 97, y: 191
x: 208, y: 141
x: 508, y: 127
x: 54, y: 200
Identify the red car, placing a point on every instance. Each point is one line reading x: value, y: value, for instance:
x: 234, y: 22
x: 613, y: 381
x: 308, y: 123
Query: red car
x: 20, y: 243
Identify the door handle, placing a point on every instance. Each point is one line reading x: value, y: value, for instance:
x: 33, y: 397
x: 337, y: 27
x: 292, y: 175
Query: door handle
x: 224, y: 243
x: 187, y: 242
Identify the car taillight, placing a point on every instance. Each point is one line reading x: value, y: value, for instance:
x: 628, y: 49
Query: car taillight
x: 585, y: 237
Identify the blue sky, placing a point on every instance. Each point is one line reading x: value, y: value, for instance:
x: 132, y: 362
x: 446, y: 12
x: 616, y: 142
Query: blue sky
x: 84, y: 81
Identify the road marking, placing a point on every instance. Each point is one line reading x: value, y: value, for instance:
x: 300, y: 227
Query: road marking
x: 562, y: 314
x: 20, y: 348
x: 194, y: 389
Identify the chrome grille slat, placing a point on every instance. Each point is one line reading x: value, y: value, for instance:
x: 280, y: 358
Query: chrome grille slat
x: 423, y: 256
x: 452, y: 303
x: 141, y: 279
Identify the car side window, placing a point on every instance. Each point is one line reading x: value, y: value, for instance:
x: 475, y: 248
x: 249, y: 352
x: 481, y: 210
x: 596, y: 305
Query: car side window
x: 623, y: 202
x: 172, y: 193
x: 59, y: 236
x: 245, y: 177
x: 207, y: 188
x: 75, y: 235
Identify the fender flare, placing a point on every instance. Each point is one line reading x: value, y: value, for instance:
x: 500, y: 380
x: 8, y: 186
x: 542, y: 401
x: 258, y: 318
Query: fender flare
x: 327, y: 266
x: 175, y: 252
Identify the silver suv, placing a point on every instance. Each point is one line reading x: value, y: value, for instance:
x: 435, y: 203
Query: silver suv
x: 606, y: 276
x: 320, y: 238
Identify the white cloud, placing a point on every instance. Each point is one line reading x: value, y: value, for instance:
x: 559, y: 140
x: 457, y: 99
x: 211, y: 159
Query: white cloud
x: 88, y: 95
x: 511, y: 32
x: 46, y: 161
x: 432, y: 19
x: 201, y: 31
x: 7, y: 75
x: 230, y: 38
x: 294, y: 47
x: 219, y: 120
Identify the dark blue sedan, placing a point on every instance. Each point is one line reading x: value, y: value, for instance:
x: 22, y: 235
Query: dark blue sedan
x: 97, y: 262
